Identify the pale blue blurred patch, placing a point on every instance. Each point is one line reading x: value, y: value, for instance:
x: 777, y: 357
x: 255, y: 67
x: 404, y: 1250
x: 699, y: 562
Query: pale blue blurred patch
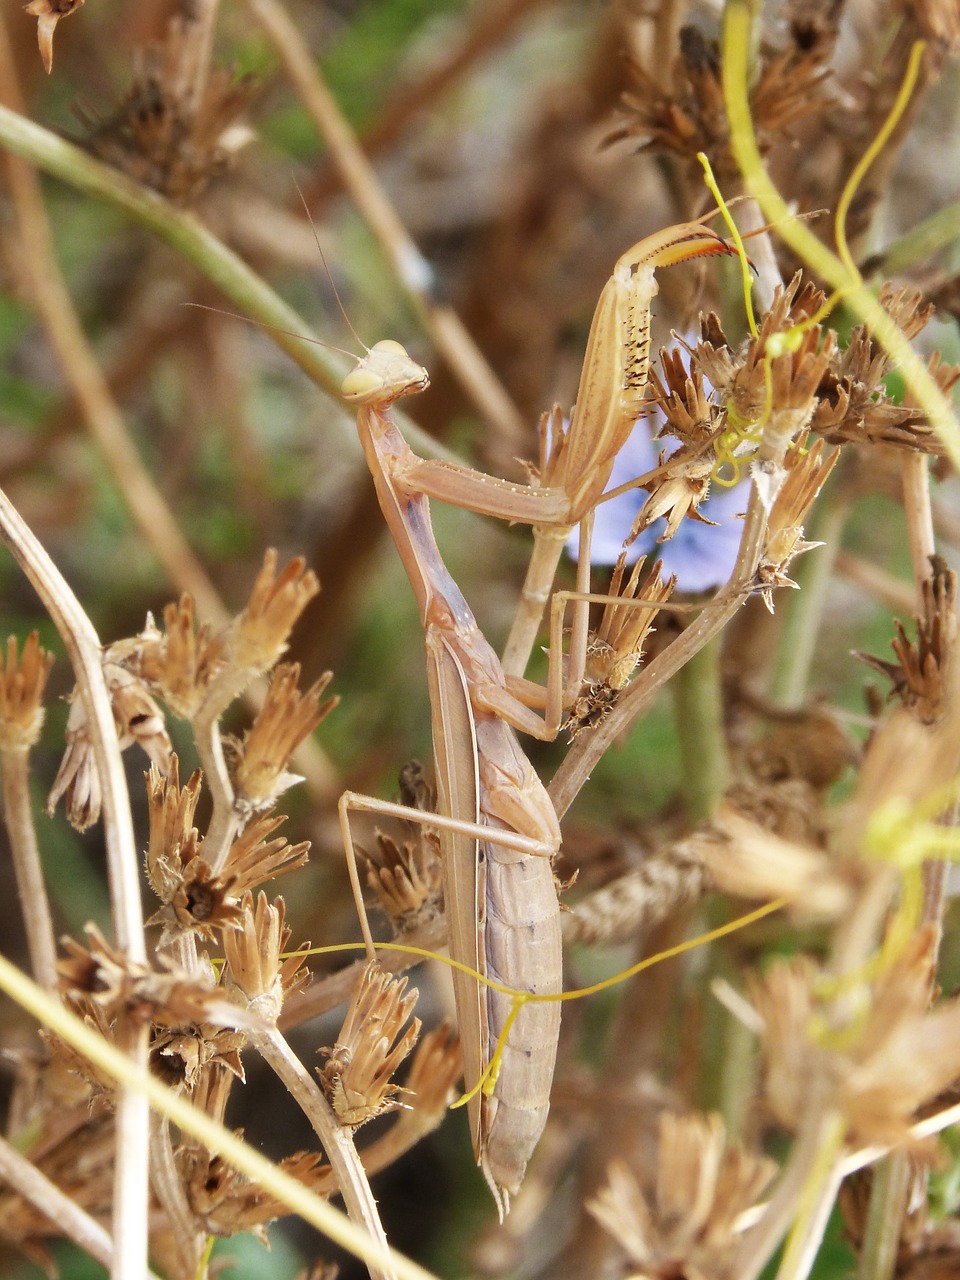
x: 701, y: 555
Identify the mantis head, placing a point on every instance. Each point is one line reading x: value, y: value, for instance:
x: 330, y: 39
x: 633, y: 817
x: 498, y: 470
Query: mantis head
x: 386, y: 372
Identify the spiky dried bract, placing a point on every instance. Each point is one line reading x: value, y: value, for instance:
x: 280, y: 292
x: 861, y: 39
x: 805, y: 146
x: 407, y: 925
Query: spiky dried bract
x: 180, y: 663
x: 853, y: 401
x: 690, y: 116
x: 161, y: 134
x: 48, y: 13
x: 685, y: 1224
x: 170, y: 809
x: 23, y: 680
x: 137, y: 719
x: 616, y: 647
x: 917, y: 677
x: 182, y: 1055
x: 259, y: 636
x: 226, y: 1201
x: 805, y: 473
x: 253, y: 858
x: 101, y: 977
x: 256, y: 972
x: 407, y: 875
x: 880, y: 1062
x: 357, y: 1074
x: 285, y: 719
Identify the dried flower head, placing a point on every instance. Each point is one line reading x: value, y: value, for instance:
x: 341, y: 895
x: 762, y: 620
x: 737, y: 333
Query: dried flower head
x: 182, y: 1055
x: 282, y: 723
x: 22, y: 683
x: 162, y: 133
x: 256, y: 973
x: 180, y: 663
x: 48, y: 13
x: 690, y: 116
x: 226, y: 1201
x: 684, y: 1226
x: 259, y: 636
x: 805, y: 473
x: 917, y: 677
x: 357, y: 1074
x: 877, y: 1063
x: 616, y: 647
x: 101, y: 977
x: 253, y: 858
x: 137, y: 719
x: 407, y: 875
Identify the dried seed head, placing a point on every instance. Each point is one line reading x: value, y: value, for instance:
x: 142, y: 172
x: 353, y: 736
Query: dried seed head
x: 880, y: 1063
x: 171, y: 809
x: 180, y: 663
x: 407, y: 875
x: 137, y: 718
x: 804, y: 474
x: 182, y: 1055
x: 356, y: 1075
x: 282, y: 723
x: 22, y: 683
x: 259, y: 636
x: 256, y: 973
x: 616, y: 647
x: 253, y: 858
x: 917, y: 677
x: 102, y: 981
x: 685, y: 1225
x: 161, y: 133
x: 226, y: 1201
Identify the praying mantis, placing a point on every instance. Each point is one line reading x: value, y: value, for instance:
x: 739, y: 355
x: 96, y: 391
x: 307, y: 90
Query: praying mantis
x: 498, y: 829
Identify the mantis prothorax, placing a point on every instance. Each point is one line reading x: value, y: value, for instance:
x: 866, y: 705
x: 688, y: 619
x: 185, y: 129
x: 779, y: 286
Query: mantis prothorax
x: 498, y: 829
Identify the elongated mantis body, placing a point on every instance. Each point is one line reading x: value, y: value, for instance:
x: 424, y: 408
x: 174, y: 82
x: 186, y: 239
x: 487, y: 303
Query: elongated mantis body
x: 498, y: 829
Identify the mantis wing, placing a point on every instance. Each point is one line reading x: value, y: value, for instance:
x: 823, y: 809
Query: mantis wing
x: 458, y: 795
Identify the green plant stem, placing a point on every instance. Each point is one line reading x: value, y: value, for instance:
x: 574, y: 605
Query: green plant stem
x: 804, y: 609
x: 922, y: 241
x: 184, y: 233
x: 857, y: 297
x: 892, y: 1179
x: 698, y: 712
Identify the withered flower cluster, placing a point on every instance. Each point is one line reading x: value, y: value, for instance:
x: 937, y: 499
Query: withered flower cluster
x: 222, y: 965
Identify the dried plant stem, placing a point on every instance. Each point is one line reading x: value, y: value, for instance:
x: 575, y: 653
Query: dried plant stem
x: 215, y: 1136
x: 47, y: 1198
x: 449, y: 334
x: 337, y: 1141
x: 168, y: 1186
x: 199, y: 20
x: 916, y: 505
x: 31, y: 886
x: 83, y: 646
x: 224, y: 819
x: 759, y: 1244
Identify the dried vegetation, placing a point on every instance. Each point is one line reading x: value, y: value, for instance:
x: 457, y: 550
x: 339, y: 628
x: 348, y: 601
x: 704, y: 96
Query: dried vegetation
x: 729, y: 1098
